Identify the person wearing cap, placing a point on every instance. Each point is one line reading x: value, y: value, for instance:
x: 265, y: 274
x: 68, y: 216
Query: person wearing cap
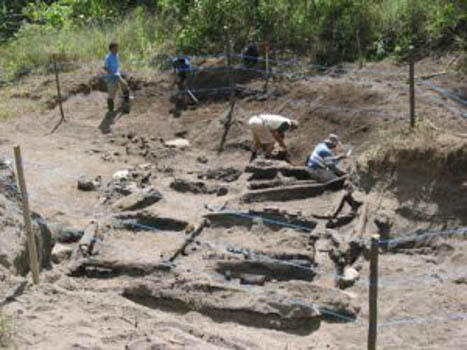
x: 323, y: 163
x: 322, y: 166
x: 267, y: 129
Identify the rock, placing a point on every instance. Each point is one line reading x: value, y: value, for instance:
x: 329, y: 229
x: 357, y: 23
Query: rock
x: 140, y: 199
x: 349, y: 277
x: 196, y: 187
x: 202, y: 159
x: 257, y: 280
x: 61, y: 253
x: 86, y: 184
x: 177, y: 143
x: 384, y: 223
x: 145, y: 166
x: 182, y: 185
x: 121, y: 175
x: 181, y: 133
x: 222, y: 191
x: 6, y: 164
x: 222, y: 174
x: 66, y: 235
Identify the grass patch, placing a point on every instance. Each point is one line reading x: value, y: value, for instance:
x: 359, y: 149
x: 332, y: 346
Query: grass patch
x: 140, y: 38
x: 426, y: 149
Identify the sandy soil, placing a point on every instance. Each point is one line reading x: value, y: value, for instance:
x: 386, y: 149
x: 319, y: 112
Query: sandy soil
x: 423, y: 296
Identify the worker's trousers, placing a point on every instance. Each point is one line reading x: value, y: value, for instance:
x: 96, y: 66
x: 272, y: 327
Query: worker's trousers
x: 114, y: 84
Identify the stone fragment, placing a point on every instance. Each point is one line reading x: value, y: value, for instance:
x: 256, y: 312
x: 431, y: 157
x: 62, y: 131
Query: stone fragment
x: 177, y: 143
x: 121, y: 175
x: 349, y: 277
x: 222, y: 191
x: 139, y: 199
x: 61, y: 252
x: 86, y: 184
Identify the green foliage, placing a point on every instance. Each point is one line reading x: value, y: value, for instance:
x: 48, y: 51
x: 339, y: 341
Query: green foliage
x: 212, y: 23
x: 140, y: 38
x: 328, y: 31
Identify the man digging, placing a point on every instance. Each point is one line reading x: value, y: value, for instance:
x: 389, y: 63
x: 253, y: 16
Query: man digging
x: 114, y: 79
x: 322, y: 167
x: 267, y: 129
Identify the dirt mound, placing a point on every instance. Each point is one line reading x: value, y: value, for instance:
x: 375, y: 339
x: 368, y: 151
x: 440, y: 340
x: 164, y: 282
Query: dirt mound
x: 13, y: 248
x: 425, y: 172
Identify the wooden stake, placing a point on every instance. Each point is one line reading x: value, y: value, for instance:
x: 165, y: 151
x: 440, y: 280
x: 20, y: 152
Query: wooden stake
x: 231, y: 75
x: 33, y: 263
x: 59, y: 95
x: 59, y: 92
x: 373, y: 295
x: 412, y: 92
x: 267, y: 68
x: 412, y: 68
x: 228, y: 119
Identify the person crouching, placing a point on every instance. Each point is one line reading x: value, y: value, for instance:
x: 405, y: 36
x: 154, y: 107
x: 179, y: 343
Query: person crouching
x: 267, y: 129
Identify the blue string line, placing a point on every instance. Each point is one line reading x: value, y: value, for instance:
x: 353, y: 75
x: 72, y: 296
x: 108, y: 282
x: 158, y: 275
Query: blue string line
x: 455, y: 231
x: 453, y: 317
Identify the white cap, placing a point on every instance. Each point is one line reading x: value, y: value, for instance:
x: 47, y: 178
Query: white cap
x: 333, y: 137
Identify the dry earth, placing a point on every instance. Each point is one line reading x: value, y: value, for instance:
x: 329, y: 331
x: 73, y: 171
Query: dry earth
x: 267, y: 223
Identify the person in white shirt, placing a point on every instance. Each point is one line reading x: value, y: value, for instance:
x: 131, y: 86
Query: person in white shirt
x: 267, y: 129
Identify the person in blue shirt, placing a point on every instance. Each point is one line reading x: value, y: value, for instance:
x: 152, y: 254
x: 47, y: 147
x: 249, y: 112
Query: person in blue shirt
x: 181, y: 66
x: 113, y: 78
x: 182, y: 69
x: 323, y: 163
x: 322, y: 167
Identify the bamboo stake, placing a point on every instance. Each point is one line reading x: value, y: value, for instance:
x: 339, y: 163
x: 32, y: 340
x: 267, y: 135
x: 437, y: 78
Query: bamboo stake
x: 373, y: 295
x: 59, y: 95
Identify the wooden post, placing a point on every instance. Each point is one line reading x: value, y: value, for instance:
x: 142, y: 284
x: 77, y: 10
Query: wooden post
x: 267, y: 67
x: 373, y: 295
x: 231, y: 74
x: 412, y: 91
x: 412, y: 67
x: 59, y: 93
x: 33, y: 263
x: 229, y: 114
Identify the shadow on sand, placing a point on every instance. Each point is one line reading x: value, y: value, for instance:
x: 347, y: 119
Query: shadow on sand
x: 109, y: 120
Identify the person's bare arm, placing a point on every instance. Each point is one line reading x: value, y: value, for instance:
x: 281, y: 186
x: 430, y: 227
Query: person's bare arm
x: 280, y: 139
x: 256, y: 142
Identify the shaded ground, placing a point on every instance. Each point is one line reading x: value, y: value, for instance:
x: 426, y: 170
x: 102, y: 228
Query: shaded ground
x: 126, y: 298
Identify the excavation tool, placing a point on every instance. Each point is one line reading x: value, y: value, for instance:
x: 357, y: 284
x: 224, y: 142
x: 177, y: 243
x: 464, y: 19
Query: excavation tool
x: 191, y: 95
